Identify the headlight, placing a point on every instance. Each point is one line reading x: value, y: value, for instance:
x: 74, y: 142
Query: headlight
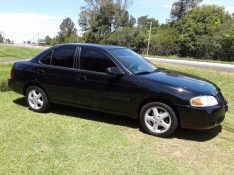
x: 203, y: 101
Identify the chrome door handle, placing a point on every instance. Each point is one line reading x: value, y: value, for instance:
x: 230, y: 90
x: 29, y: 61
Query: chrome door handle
x: 40, y: 71
x: 80, y: 77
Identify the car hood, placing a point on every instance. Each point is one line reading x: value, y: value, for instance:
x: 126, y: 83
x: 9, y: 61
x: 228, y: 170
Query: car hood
x: 180, y: 80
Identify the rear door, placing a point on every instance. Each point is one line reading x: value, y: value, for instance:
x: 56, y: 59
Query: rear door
x: 56, y: 73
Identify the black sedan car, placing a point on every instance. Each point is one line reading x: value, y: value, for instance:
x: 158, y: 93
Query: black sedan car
x: 117, y: 80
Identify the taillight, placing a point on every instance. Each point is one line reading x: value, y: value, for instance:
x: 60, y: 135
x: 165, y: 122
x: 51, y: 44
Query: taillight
x: 12, y: 72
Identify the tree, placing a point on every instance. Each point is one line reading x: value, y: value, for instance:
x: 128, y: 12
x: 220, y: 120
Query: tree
x: 144, y: 22
x: 226, y: 42
x: 132, y: 21
x: 181, y: 7
x: 197, y: 29
x: 165, y: 41
x: 124, y: 37
x: 8, y: 41
x: 67, y: 29
x: 101, y: 17
x: 71, y: 39
x: 47, y: 40
x: 1, y: 38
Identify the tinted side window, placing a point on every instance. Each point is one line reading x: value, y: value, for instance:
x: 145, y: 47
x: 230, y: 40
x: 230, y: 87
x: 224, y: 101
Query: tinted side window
x: 64, y: 56
x: 94, y: 60
x: 46, y: 58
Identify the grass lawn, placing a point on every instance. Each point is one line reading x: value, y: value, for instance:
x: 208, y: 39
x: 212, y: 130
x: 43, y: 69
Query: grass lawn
x: 5, y: 71
x: 10, y: 52
x: 74, y: 141
x: 4, y: 74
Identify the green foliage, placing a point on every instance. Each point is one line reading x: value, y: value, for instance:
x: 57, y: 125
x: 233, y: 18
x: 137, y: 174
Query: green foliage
x: 100, y: 18
x: 195, y: 31
x: 164, y: 42
x: 128, y: 37
x: 198, y: 31
x: 4, y: 86
x: 71, y: 39
x: 67, y: 34
x: 53, y: 41
x: 181, y: 7
x: 143, y: 22
x: 1, y: 38
x: 67, y: 30
x: 48, y: 40
x: 4, y: 75
x: 226, y: 44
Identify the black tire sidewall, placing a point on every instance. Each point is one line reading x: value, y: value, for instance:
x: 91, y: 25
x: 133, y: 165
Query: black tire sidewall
x: 174, y: 120
x: 46, y: 103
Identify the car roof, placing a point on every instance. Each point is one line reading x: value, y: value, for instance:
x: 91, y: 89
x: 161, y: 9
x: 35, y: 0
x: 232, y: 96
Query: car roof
x: 106, y: 47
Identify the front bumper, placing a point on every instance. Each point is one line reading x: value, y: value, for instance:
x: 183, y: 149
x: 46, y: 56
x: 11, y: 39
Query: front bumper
x: 202, y: 118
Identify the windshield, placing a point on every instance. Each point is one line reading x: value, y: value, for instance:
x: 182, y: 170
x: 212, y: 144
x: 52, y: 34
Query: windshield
x: 132, y: 61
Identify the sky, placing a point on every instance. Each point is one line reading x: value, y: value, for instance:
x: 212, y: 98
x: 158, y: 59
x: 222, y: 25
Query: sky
x: 23, y: 20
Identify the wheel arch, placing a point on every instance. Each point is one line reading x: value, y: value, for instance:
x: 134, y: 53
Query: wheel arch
x: 160, y: 100
x: 33, y: 83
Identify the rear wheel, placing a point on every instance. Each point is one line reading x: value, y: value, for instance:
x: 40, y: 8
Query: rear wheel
x: 158, y: 119
x: 36, y: 99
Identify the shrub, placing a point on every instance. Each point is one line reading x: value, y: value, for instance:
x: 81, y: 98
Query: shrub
x: 4, y: 86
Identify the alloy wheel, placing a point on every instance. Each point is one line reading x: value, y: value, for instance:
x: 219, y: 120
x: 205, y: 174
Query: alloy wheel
x: 157, y: 120
x: 35, y: 99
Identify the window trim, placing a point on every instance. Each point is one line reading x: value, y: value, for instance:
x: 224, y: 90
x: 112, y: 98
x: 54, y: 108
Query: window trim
x: 52, y: 52
x: 43, y: 56
x: 124, y: 67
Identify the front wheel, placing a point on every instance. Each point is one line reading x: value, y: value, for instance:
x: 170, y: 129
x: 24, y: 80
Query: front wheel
x: 158, y: 119
x: 36, y: 99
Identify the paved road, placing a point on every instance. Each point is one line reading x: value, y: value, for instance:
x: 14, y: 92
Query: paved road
x: 206, y: 65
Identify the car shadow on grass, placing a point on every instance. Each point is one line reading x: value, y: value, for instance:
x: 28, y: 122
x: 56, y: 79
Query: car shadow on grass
x: 184, y: 134
x: 87, y: 114
x: 198, y: 135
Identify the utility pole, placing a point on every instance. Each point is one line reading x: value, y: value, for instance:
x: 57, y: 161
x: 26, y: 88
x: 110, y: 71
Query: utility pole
x: 149, y: 37
x: 38, y: 38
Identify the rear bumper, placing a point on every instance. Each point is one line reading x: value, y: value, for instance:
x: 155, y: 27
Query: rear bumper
x: 16, y: 86
x: 202, y: 118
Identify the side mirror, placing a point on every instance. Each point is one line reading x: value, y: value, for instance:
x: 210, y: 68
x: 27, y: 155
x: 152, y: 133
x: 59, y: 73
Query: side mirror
x: 114, y: 71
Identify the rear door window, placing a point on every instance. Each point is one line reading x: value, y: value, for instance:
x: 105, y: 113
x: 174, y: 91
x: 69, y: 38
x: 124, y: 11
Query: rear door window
x: 47, y: 58
x: 64, y: 56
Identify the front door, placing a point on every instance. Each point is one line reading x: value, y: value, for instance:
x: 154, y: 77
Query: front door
x: 97, y: 89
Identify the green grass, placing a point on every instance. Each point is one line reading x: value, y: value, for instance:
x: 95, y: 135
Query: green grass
x: 175, y: 57
x: 4, y: 75
x: 5, y: 71
x: 11, y: 52
x: 73, y: 141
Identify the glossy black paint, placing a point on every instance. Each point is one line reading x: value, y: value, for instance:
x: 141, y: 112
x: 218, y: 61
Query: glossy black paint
x: 118, y: 91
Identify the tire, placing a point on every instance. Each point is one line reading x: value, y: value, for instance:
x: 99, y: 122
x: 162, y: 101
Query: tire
x: 37, y: 99
x: 158, y: 119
